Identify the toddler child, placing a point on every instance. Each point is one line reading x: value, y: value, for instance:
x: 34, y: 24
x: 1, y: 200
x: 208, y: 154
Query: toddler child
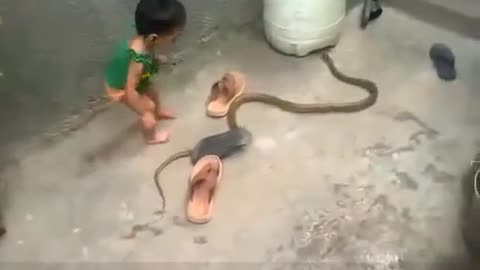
x: 127, y: 76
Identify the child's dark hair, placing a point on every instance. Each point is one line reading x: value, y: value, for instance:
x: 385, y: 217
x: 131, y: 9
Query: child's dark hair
x: 160, y: 17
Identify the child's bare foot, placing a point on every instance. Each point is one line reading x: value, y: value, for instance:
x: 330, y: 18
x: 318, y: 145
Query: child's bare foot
x: 160, y: 137
x: 166, y: 114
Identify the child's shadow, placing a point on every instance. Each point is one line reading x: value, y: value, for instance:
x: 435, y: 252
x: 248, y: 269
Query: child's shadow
x: 121, y: 145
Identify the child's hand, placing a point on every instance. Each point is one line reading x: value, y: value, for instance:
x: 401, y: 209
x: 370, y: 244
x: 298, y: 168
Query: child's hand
x: 162, y: 59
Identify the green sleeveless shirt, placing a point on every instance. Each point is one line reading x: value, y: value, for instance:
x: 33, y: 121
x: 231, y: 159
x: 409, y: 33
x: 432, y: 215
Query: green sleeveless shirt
x: 116, y: 71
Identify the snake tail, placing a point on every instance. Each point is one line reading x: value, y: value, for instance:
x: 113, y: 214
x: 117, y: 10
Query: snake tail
x: 168, y: 161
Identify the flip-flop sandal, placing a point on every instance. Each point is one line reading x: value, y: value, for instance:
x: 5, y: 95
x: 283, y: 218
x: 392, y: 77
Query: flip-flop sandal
x: 203, y: 184
x: 443, y: 61
x: 224, y: 92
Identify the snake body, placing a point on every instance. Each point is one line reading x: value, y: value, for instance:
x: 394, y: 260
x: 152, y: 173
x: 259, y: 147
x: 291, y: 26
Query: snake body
x: 345, y: 107
x: 168, y: 161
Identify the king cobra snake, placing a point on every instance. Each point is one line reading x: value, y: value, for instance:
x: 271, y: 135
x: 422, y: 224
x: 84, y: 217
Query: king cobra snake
x: 289, y: 106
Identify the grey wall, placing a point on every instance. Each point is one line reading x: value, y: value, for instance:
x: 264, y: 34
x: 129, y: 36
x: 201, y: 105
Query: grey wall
x: 52, y: 53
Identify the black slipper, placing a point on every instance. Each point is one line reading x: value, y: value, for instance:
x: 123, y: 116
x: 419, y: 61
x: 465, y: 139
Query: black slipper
x: 375, y: 10
x: 443, y: 61
x: 2, y: 226
x: 371, y: 11
x: 222, y: 145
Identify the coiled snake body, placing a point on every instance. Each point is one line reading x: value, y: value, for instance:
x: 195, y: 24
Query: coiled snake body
x: 346, y: 107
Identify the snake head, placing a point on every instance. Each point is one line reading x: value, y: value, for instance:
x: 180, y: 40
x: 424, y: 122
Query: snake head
x: 246, y: 136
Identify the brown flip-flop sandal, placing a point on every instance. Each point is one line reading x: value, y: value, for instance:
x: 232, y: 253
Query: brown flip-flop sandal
x: 224, y: 92
x: 203, y: 184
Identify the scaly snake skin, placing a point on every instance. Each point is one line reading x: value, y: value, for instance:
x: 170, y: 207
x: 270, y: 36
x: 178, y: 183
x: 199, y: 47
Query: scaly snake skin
x: 346, y: 107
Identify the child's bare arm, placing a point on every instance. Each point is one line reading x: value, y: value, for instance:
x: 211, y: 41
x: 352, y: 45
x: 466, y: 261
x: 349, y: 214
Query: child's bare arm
x: 132, y: 96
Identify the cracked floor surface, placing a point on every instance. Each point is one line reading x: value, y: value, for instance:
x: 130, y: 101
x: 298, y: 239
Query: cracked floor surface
x: 375, y: 189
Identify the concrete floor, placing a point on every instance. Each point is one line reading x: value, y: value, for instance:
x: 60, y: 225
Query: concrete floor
x: 470, y: 8
x: 368, y: 192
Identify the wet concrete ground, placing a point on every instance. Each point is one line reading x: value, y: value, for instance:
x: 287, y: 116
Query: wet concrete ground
x: 377, y: 189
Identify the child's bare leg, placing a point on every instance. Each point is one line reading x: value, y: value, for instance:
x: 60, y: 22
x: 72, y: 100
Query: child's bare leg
x: 149, y: 123
x: 161, y: 112
x: 144, y: 106
x: 136, y: 103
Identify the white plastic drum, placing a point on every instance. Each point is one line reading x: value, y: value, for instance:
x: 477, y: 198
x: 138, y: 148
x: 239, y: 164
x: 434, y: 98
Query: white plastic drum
x: 299, y: 27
